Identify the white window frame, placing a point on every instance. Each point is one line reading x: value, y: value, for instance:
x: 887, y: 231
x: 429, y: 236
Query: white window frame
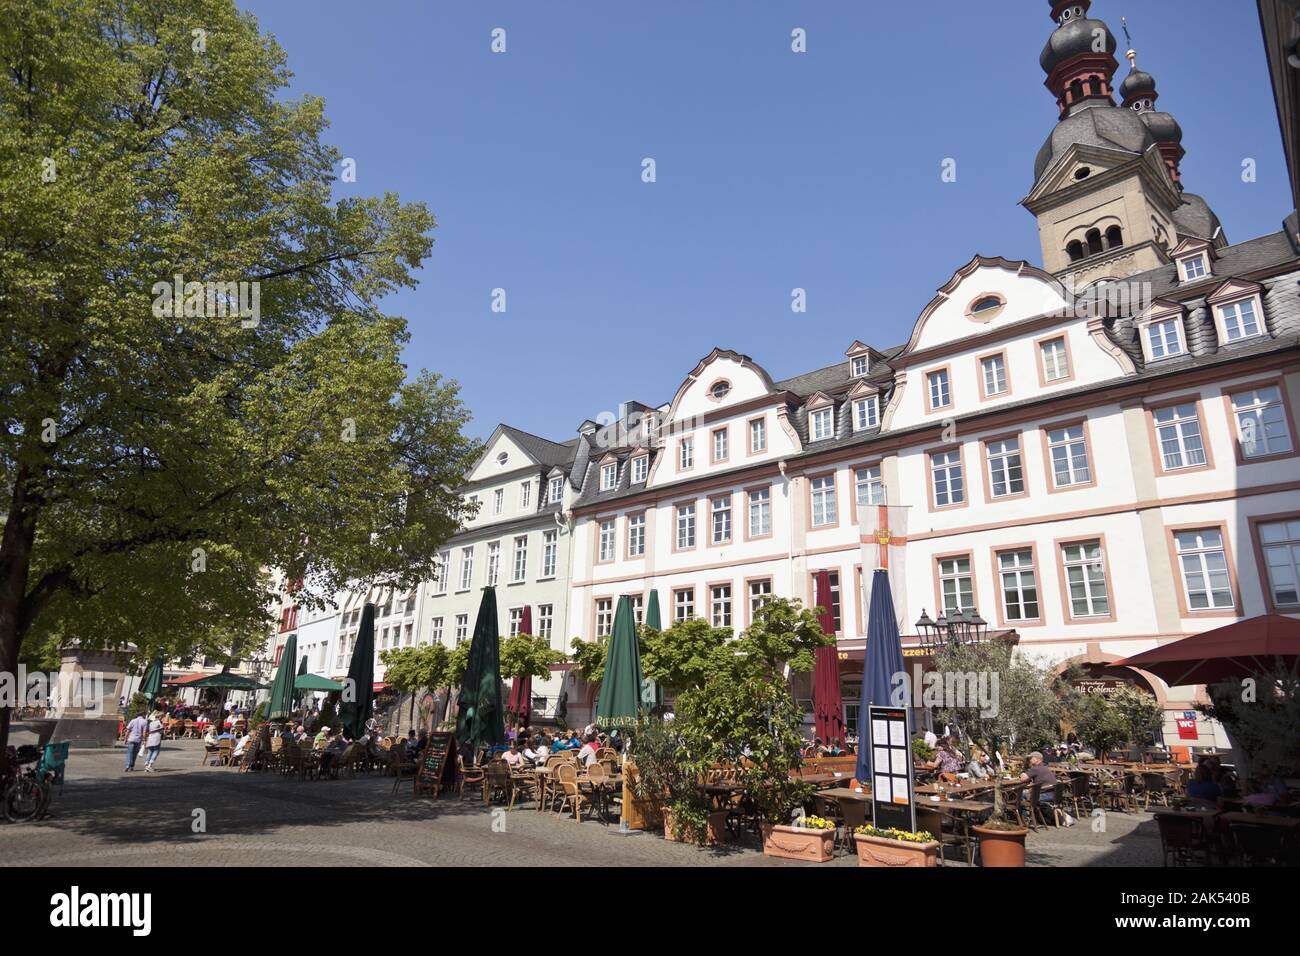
x: 1010, y: 460
x: 545, y: 621
x: 442, y: 571
x: 997, y: 365
x: 466, y: 568
x: 683, y: 604
x: 868, y: 478
x: 1072, y: 447
x: 606, y: 538
x: 556, y: 491
x: 1279, y: 541
x: 640, y: 468
x: 686, y: 454
x: 953, y: 571
x: 1054, y: 356
x: 721, y: 441
x: 435, y: 630
x: 1185, y: 267
x: 821, y: 424
x: 608, y: 476
x: 947, y: 478
x: 604, y: 617
x: 824, y: 510
x: 859, y: 366
x: 720, y: 523
x: 720, y: 605
x: 636, y: 535
x: 493, y: 564
x: 685, y: 526
x: 1239, y: 307
x: 550, y: 549
x: 1203, y: 556
x: 519, y: 559
x: 1019, y: 577
x: 525, y: 494
x: 760, y: 591
x: 498, y: 501
x: 1256, y: 411
x: 1179, y: 437
x: 462, y: 629
x: 759, y: 512
x: 1086, y: 567
x: 866, y: 413
x: 757, y: 435
x: 938, y: 389
x: 1168, y: 348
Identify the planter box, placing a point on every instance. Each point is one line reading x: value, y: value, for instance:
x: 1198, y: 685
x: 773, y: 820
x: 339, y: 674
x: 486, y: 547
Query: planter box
x: 798, y: 843
x: 1001, y: 848
x: 879, y: 851
x: 717, y: 828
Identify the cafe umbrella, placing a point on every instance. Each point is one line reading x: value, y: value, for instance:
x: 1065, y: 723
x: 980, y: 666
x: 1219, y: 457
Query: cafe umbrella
x: 280, y: 704
x: 828, y: 706
x: 652, y: 695
x: 521, y: 690
x: 480, y: 720
x: 619, y: 703
x: 884, y: 661
x: 151, y: 683
x: 360, y: 683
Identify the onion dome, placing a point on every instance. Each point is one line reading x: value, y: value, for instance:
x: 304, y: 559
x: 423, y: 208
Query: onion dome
x: 1106, y: 126
x: 1195, y: 218
x: 1137, y: 85
x: 1078, y: 35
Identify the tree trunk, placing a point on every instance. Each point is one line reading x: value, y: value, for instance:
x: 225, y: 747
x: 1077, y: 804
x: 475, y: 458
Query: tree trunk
x: 15, y: 567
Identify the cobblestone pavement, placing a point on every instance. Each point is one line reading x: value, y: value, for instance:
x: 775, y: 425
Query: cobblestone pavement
x: 105, y: 817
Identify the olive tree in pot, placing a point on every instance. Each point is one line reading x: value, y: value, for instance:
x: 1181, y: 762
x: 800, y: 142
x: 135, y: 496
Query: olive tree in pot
x: 664, y: 782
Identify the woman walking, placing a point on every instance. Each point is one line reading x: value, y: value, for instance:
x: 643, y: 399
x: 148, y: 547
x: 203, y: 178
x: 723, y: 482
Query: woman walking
x: 153, y: 742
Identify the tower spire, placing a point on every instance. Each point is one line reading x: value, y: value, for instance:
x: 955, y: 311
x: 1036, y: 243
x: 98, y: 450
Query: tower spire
x: 1079, y: 58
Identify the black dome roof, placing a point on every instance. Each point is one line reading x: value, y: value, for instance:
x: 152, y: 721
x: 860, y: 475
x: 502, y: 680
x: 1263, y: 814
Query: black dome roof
x: 1109, y: 126
x: 1071, y: 39
x: 1137, y: 83
x: 1195, y: 218
x: 1163, y: 126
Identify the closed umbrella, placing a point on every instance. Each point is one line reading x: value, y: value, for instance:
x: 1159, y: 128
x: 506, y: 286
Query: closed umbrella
x: 521, y: 690
x: 884, y: 662
x: 280, y: 706
x: 828, y: 705
x: 652, y: 695
x: 619, y: 703
x: 151, y: 683
x: 354, y: 713
x: 479, y: 723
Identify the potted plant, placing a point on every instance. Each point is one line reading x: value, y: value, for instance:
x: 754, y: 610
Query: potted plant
x: 809, y: 838
x: 1002, y: 844
x: 690, y: 818
x: 894, y: 847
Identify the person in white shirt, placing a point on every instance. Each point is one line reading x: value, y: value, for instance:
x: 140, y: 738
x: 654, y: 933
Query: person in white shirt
x: 153, y: 743
x: 136, y: 731
x: 588, y: 752
x: 537, y: 754
x: 243, y: 744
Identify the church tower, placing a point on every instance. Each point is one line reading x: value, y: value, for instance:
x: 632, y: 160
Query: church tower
x: 1108, y: 193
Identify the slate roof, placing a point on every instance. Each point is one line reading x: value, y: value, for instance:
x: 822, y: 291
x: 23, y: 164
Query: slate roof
x: 542, y: 449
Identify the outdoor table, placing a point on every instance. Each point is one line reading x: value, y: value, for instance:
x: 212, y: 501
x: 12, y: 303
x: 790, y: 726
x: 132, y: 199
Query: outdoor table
x: 1263, y: 819
x: 823, y: 780
x: 848, y: 793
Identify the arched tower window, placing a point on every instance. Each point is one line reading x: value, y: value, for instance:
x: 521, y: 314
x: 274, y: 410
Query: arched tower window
x: 1094, y: 241
x: 1075, y: 250
x: 1076, y: 91
x: 1114, y: 237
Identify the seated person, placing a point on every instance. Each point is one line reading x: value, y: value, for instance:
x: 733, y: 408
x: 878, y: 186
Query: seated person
x: 947, y: 759
x: 210, y: 738
x: 537, y: 751
x: 587, y: 753
x: 1041, y: 774
x: 1202, y: 785
x: 513, y: 758
x: 835, y: 749
x: 240, y: 747
x: 321, y: 738
x: 980, y: 766
x: 333, y: 750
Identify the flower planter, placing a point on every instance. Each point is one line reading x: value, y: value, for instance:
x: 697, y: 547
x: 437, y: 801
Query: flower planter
x: 1001, y: 847
x: 717, y: 828
x: 881, y: 851
x: 798, y: 843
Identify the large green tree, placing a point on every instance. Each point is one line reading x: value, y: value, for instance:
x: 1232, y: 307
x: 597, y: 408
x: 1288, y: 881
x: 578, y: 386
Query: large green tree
x: 155, y: 460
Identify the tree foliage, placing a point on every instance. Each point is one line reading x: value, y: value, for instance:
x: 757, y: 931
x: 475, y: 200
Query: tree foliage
x: 153, y: 464
x: 1261, y: 716
x: 1027, y: 709
x: 527, y: 656
x: 409, y: 669
x: 589, y: 659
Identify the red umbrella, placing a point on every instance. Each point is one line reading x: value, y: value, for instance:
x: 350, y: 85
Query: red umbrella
x: 828, y: 708
x: 521, y: 691
x: 1226, y: 653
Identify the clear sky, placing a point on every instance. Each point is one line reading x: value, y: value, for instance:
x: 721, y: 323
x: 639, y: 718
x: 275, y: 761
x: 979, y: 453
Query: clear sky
x: 775, y: 170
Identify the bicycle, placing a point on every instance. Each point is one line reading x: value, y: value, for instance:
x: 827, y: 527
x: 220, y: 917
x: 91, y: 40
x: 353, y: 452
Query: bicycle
x: 26, y: 793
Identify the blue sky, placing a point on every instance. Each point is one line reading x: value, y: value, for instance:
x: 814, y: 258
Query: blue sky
x: 775, y: 170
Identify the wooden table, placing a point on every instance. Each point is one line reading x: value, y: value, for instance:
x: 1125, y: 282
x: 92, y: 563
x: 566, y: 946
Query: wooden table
x: 1261, y: 819
x: 848, y: 793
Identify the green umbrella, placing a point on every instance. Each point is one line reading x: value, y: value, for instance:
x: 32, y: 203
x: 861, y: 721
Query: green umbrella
x: 280, y: 706
x: 619, y: 704
x: 227, y: 681
x: 480, y: 722
x: 361, y: 677
x: 151, y: 683
x: 652, y: 694
x: 302, y: 669
x: 315, y: 682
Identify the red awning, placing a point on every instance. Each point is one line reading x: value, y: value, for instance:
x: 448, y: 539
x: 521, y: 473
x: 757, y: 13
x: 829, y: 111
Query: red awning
x: 184, y: 679
x: 378, y: 686
x: 1225, y: 653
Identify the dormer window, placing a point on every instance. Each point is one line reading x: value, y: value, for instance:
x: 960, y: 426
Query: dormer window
x: 556, y: 491
x: 859, y: 366
x: 1238, y: 320
x: 608, y: 476
x: 1193, y: 268
x: 1164, y: 338
x: 866, y: 413
x: 820, y: 426
x: 640, y: 468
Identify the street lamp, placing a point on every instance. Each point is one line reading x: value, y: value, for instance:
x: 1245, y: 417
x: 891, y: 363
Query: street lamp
x: 960, y: 627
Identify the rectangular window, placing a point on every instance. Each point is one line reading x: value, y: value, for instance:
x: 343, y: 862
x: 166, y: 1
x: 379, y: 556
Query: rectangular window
x: 466, y: 568
x: 859, y: 366
x: 1085, y: 578
x: 1068, y: 449
x: 822, y: 424
x: 637, y: 601
x: 720, y: 520
x: 1179, y: 432
x: 557, y: 489
x: 686, y: 526
x: 684, y: 604
x: 520, y: 562
x: 604, y: 617
x: 1261, y: 422
x: 1163, y: 339
x: 1019, y: 585
x: 760, y: 512
x: 640, y: 468
x: 1006, y: 471
x: 720, y: 605
x: 462, y: 628
x: 835, y: 599
x: 606, y: 551
x: 435, y: 630
x: 441, y: 569
x: 869, y: 486
x: 758, y: 435
x: 608, y: 476
x: 956, y: 584
x: 760, y: 592
x: 545, y: 620
x: 1056, y: 364
x: 408, y: 634
x: 516, y: 621
x: 498, y: 500
x: 1204, y: 563
x: 1280, y: 541
x: 525, y: 495
x: 946, y: 476
x: 1193, y: 268
x: 493, y: 563
x: 636, y: 535
x: 720, y: 444
x: 940, y: 394
x: 994, y: 370
x: 865, y: 413
x: 1239, y: 320
x: 685, y: 454
x: 823, y: 502
x: 550, y: 546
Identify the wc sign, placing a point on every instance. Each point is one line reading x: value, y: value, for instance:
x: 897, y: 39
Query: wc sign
x: 1187, y: 726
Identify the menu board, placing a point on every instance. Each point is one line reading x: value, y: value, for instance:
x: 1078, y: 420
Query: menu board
x: 437, y: 765
x: 891, y: 769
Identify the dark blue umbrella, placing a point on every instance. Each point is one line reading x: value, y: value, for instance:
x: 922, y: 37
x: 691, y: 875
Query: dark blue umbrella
x: 884, y: 660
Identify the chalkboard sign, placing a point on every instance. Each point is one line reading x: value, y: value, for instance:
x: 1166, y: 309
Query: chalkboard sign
x: 437, y: 768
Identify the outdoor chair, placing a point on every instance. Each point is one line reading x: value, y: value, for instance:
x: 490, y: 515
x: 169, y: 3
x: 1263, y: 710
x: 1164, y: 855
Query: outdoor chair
x: 496, y: 781
x: 403, y: 768
x: 854, y: 815
x: 567, y: 775
x: 473, y: 776
x: 1257, y: 845
x: 1156, y: 787
x: 1079, y: 797
x: 1181, y: 839
x: 933, y: 820
x: 1014, y: 809
x: 1120, y: 791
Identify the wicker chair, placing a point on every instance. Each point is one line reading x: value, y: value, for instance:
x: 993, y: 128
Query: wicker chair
x: 567, y: 777
x: 496, y: 780
x: 473, y: 776
x: 1182, y: 838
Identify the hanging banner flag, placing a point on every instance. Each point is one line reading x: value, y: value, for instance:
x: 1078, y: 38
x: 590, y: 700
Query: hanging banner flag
x: 882, y: 532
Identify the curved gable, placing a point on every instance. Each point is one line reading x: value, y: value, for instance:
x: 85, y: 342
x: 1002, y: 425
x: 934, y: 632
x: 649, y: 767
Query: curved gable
x: 748, y: 380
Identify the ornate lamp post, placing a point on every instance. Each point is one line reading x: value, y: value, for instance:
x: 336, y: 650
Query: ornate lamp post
x: 960, y: 627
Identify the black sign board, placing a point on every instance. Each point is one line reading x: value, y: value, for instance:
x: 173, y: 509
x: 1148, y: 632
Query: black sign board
x: 437, y: 767
x: 891, y: 769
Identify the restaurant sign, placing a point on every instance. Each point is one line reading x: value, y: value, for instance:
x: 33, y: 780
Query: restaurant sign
x: 891, y: 769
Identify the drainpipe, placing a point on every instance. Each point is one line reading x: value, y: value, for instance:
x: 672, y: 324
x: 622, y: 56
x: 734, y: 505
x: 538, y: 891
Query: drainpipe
x: 789, y: 538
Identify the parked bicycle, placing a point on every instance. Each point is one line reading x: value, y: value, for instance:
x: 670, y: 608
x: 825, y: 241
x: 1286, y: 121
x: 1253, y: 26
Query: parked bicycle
x: 26, y: 793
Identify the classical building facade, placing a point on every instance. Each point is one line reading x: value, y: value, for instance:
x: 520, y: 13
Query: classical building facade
x: 1097, y: 454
